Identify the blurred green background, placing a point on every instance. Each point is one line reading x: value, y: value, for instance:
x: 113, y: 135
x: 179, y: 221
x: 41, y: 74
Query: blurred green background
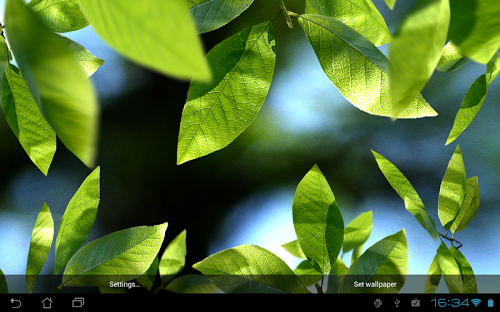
x: 243, y: 194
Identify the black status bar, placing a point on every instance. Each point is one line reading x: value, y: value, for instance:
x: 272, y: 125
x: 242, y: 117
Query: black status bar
x: 88, y: 302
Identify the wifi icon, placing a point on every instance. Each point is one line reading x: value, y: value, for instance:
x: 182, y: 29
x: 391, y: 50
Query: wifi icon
x: 476, y: 301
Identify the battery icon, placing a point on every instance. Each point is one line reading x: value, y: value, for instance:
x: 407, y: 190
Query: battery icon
x: 490, y: 303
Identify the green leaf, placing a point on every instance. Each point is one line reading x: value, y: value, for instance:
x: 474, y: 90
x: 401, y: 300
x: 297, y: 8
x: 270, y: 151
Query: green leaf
x: 294, y: 249
x: 452, y: 191
x: 356, y: 253
x: 173, y: 258
x: 433, y: 276
x: 415, y: 50
x: 358, y: 231
x: 336, y: 276
x: 492, y: 68
x: 117, y: 257
x: 56, y: 80
x: 469, y: 206
x: 384, y: 262
x: 26, y: 121
x: 41, y: 239
x: 450, y: 269
x: 209, y: 15
x: 466, y: 272
x: 192, y: 284
x: 4, y: 55
x: 317, y: 220
x: 59, y: 15
x: 474, y: 99
x: 451, y: 59
x: 77, y: 220
x: 307, y: 273
x: 250, y: 269
x: 9, y: 106
x: 147, y: 279
x: 309, y: 8
x: 216, y: 113
x: 23, y: 116
x: 422, y: 217
x: 356, y: 67
x: 141, y: 31
x: 360, y: 15
x: 405, y: 190
x: 390, y: 3
x: 475, y: 28
x: 4, y: 289
x: 89, y: 62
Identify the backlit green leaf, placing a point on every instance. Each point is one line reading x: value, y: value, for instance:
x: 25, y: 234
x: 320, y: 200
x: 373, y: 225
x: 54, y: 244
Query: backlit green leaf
x: 117, y: 257
x: 147, y: 279
x: 492, y: 68
x: 451, y: 59
x: 216, y: 113
x: 173, y: 258
x: 307, y: 273
x: 309, y: 8
x: 56, y: 80
x: 450, y: 269
x: 4, y: 55
x: 317, y: 220
x: 422, y: 217
x: 157, y: 34
x: 433, y: 276
x: 24, y: 118
x: 59, y: 15
x: 209, y: 15
x: 475, y: 28
x: 383, y: 264
x: 192, y: 284
x: 358, y: 231
x: 356, y: 67
x: 360, y: 15
x: 469, y: 206
x: 466, y: 272
x: 89, y: 62
x: 294, y: 249
x: 405, y: 190
x: 390, y: 3
x: 26, y: 121
x: 336, y: 276
x: 250, y: 269
x: 356, y: 253
x: 452, y: 191
x: 416, y: 49
x: 41, y: 239
x: 473, y: 100
x: 77, y: 220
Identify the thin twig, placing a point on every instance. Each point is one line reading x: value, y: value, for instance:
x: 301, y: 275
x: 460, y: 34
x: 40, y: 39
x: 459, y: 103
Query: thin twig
x: 451, y: 239
x: 318, y: 288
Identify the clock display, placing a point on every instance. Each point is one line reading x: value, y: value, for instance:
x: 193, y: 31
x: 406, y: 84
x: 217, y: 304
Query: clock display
x: 454, y: 302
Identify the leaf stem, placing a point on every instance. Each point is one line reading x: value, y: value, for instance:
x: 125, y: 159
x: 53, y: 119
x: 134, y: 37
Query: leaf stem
x: 57, y: 289
x: 451, y: 239
x: 286, y: 14
x: 319, y: 289
x: 158, y: 289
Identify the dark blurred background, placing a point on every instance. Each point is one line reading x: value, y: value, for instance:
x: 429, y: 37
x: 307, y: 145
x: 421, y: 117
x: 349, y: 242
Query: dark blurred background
x: 243, y: 193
